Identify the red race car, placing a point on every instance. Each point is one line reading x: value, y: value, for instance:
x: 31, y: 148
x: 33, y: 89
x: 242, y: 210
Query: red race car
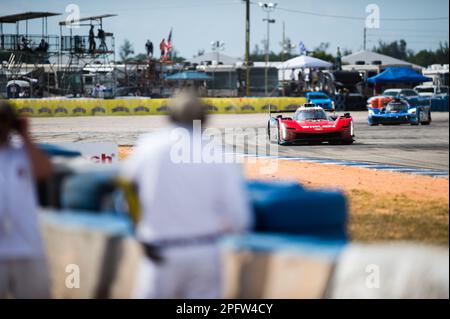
x: 310, y: 125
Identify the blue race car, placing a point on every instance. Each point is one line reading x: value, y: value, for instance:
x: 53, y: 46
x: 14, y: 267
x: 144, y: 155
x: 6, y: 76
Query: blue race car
x: 320, y: 99
x: 410, y: 95
x: 399, y: 111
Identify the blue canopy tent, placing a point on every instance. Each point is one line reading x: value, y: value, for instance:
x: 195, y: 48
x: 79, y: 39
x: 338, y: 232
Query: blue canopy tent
x: 189, y: 76
x: 399, y: 75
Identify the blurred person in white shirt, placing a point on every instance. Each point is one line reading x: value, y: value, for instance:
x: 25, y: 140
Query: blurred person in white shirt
x: 185, y: 209
x: 23, y: 266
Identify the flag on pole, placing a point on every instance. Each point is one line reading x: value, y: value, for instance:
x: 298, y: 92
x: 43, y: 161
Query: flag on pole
x: 169, y: 46
x: 302, y: 48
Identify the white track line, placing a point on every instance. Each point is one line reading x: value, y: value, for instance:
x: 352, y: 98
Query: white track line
x: 373, y: 166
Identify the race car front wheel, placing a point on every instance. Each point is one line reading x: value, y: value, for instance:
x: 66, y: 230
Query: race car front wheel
x: 279, y: 142
x: 417, y: 122
x: 273, y: 135
x: 280, y: 139
x: 428, y: 121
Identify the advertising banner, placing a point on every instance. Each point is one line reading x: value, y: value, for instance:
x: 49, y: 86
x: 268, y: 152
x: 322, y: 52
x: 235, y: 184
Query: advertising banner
x: 99, y: 153
x: 148, y: 106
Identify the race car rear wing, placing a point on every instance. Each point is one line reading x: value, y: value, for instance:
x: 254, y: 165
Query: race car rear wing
x: 279, y: 112
x: 291, y: 110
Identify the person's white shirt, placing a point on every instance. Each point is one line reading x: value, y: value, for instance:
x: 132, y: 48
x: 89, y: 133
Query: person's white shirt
x: 293, y: 75
x: 19, y: 227
x: 185, y: 200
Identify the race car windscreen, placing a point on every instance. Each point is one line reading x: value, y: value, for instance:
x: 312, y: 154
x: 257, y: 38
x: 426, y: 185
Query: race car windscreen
x: 397, y: 107
x: 425, y: 90
x: 390, y: 93
x: 318, y: 96
x: 310, y: 115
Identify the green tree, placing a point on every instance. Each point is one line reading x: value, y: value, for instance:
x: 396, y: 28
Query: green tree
x: 199, y: 53
x: 399, y: 50
x: 176, y: 57
x: 139, y: 57
x: 126, y: 50
x: 257, y: 55
x: 423, y: 58
x: 395, y: 49
x: 346, y: 51
x: 320, y: 52
x: 442, y: 56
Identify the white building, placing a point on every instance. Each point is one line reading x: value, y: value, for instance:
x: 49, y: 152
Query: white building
x: 372, y: 61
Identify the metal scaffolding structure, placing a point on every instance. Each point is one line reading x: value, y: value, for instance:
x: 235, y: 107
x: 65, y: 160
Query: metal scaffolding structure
x: 79, y: 53
x: 26, y: 56
x: 74, y: 62
x: 55, y: 64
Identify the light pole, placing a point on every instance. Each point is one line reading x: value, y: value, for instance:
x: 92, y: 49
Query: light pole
x: 217, y: 46
x: 268, y: 8
x: 247, y: 47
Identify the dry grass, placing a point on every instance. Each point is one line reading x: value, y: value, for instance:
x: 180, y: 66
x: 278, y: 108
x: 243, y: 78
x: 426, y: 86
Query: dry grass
x: 416, y: 209
x: 375, y: 217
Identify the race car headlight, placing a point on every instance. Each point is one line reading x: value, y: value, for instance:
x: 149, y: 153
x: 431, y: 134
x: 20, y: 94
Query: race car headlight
x: 283, y: 130
x: 371, y: 112
x: 412, y: 111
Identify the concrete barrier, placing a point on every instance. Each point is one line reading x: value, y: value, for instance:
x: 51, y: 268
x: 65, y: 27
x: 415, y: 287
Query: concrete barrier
x: 255, y: 265
x: 146, y: 106
x: 391, y: 270
x: 278, y: 266
x: 100, y: 246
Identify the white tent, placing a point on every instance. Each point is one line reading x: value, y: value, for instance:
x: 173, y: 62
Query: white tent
x: 304, y: 61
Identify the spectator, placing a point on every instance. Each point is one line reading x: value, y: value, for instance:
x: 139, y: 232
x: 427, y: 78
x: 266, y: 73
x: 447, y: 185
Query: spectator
x: 78, y: 44
x: 314, y: 79
x: 320, y: 79
x: 23, y: 267
x: 308, y: 79
x: 92, y: 45
x: 24, y: 44
x: 98, y: 91
x: 186, y: 208
x: 95, y: 90
x: 102, y: 37
x: 149, y: 48
x: 162, y: 48
x: 301, y: 82
x: 338, y: 59
x: 292, y: 78
x: 43, y: 46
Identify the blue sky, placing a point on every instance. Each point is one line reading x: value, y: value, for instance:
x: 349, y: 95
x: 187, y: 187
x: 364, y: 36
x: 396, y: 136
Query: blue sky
x: 198, y: 22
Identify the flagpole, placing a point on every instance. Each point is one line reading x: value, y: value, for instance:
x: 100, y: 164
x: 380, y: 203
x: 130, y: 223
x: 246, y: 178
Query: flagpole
x: 247, y: 48
x: 267, y: 7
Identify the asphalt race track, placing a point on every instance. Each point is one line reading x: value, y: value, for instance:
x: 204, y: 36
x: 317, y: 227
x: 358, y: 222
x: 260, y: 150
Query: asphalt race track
x: 405, y: 145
